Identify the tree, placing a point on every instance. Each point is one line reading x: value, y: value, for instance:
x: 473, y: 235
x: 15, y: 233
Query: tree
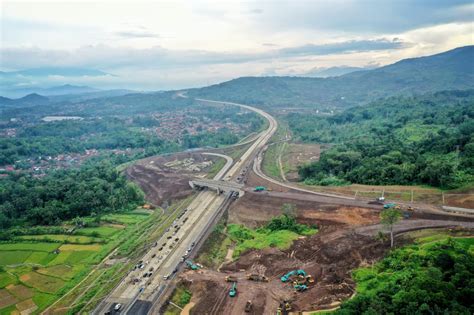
x: 389, y: 217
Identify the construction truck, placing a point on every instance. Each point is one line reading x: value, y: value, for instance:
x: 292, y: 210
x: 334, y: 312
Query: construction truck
x: 192, y: 265
x: 233, y: 290
x: 230, y: 279
x: 257, y: 277
x: 260, y: 188
x: 292, y: 273
x: 248, y: 306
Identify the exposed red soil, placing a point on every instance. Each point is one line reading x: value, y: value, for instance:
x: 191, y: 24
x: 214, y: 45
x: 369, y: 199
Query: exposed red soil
x: 161, y: 183
x: 345, y: 241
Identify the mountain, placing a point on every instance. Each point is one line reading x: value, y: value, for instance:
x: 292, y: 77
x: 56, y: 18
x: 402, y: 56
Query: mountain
x: 16, y: 84
x: 30, y: 99
x: 334, y: 71
x: 55, y: 90
x: 90, y: 95
x: 453, y: 69
x: 68, y: 89
x: 57, y: 71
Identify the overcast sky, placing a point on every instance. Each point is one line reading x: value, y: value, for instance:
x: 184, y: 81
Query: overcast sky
x: 176, y: 44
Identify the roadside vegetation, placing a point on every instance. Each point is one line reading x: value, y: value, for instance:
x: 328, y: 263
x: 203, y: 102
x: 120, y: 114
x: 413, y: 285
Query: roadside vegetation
x: 279, y: 232
x: 214, y: 249
x: 181, y: 296
x: 424, y: 140
x: 433, y: 276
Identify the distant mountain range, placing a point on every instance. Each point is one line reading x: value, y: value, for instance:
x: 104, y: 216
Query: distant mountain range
x: 58, y: 71
x: 453, y: 69
x: 67, y: 92
x: 57, y: 90
x: 30, y: 99
x: 20, y: 83
x: 334, y: 71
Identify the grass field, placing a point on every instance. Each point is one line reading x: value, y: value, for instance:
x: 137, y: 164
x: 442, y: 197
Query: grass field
x: 38, y: 269
x: 247, y: 239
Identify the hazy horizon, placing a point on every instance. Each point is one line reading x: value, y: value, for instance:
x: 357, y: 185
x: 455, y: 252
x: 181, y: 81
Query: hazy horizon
x: 174, y: 44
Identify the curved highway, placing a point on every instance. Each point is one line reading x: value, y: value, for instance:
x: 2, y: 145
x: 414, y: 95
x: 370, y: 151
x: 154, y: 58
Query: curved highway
x: 260, y: 143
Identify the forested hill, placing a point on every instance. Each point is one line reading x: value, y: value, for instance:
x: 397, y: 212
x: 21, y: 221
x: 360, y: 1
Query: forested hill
x: 427, y: 140
x: 453, y: 69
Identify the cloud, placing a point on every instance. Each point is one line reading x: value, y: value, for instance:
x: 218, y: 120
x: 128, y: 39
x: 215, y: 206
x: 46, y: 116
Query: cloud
x: 136, y: 34
x: 106, y: 57
x: 370, y: 17
x: 345, y: 47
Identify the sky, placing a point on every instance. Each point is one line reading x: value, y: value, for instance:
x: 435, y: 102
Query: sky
x: 159, y: 45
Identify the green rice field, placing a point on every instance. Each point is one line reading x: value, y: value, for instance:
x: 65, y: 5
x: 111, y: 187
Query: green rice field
x: 35, y: 270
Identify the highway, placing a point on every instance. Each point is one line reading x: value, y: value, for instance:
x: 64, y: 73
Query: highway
x: 144, y: 289
x: 261, y: 144
x: 139, y: 293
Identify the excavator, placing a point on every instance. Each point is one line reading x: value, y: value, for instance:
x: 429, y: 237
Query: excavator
x: 233, y: 290
x: 298, y: 272
x: 230, y: 279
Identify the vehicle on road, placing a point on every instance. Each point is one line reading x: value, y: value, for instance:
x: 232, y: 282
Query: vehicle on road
x: 118, y: 307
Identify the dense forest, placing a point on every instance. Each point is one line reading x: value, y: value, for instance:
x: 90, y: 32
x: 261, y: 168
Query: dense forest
x: 95, y: 188
x: 416, y: 140
x: 433, y: 279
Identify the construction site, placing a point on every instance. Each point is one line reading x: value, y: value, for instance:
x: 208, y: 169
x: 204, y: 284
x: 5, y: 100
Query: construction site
x: 316, y: 269
x: 312, y: 273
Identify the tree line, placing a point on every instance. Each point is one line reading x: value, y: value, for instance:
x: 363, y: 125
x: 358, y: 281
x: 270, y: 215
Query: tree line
x: 95, y: 188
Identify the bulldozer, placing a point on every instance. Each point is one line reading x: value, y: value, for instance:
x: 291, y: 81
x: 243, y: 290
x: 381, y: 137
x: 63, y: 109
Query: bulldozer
x: 233, y: 290
x: 257, y: 277
x: 230, y: 279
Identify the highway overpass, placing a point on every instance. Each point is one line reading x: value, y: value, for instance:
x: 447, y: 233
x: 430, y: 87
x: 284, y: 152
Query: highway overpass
x: 218, y: 185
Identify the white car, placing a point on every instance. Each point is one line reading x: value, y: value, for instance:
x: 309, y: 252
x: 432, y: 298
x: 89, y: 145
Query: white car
x: 118, y: 307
